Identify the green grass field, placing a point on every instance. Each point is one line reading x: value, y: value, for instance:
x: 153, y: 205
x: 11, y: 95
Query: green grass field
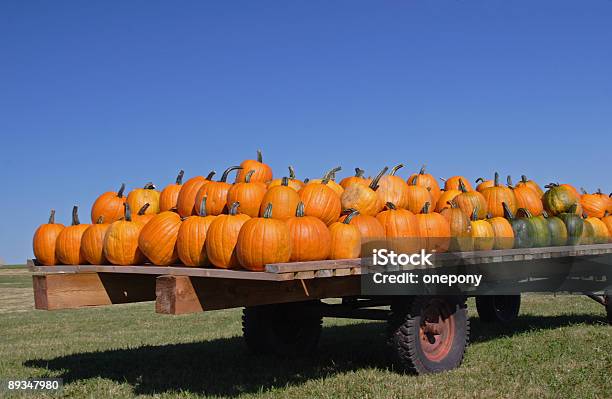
x: 560, y: 347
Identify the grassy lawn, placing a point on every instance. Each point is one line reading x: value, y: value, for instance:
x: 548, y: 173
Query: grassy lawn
x: 559, y: 347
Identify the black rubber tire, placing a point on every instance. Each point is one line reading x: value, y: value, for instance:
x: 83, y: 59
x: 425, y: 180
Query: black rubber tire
x: 498, y: 308
x: 290, y: 329
x: 608, y: 299
x: 404, y: 338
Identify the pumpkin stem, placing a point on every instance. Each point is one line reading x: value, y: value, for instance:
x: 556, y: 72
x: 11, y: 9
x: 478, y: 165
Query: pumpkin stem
x: 210, y: 175
x: 127, y: 211
x: 52, y: 217
x: 374, y: 183
x: 474, y: 215
x: 524, y: 179
x: 247, y: 178
x: 350, y: 216
x: 306, y: 180
x: 331, y: 174
x: 100, y: 220
x: 149, y: 186
x: 394, y: 169
x: 268, y: 212
x: 462, y: 187
x: 179, y: 177
x: 524, y: 212
x: 121, y: 190
x: 443, y: 179
x: 452, y: 203
x: 425, y: 208
x: 545, y: 214
x: 480, y: 179
x: 223, y: 178
x: 391, y: 205
x: 599, y: 191
x: 489, y: 216
x: 412, y: 180
x: 422, y: 171
x: 496, y: 180
x: 291, y: 172
x: 202, y: 210
x: 359, y: 172
x: 75, y: 216
x: 299, y: 211
x: 573, y: 208
x: 551, y: 185
x: 233, y: 210
x: 509, y: 181
x: 259, y: 156
x: 583, y: 190
x: 285, y: 181
x: 144, y: 208
x: 507, y: 212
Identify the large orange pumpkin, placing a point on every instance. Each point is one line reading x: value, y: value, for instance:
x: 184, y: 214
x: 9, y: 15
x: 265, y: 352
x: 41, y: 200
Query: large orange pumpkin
x: 503, y: 233
x: 121, y: 241
x: 452, y: 183
x: 594, y: 204
x: 249, y: 194
x: 321, y: 201
x: 483, y: 234
x: 92, y: 243
x: 262, y: 241
x: 483, y: 183
x: 293, y: 182
x: 345, y: 239
x: 191, y: 238
x: 157, y: 239
x: 369, y: 227
x: 263, y: 172
x: 109, y: 205
x: 45, y: 239
x: 494, y: 196
x: 310, y: 237
x: 186, y: 201
x: 146, y: 195
x: 358, y: 178
x: 283, y: 198
x: 428, y: 181
x: 531, y: 184
x: 223, y: 236
x: 527, y: 198
x: 445, y: 197
x: 329, y: 178
x: 216, y: 193
x: 601, y: 235
x: 364, y: 198
x: 434, y: 230
x: 460, y: 227
x: 467, y: 201
x: 169, y: 195
x: 417, y: 196
x: 401, y: 229
x: 68, y: 244
x: 393, y: 189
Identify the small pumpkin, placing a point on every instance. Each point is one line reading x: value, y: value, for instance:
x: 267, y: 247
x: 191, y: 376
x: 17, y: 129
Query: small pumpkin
x: 68, y: 243
x: 310, y: 237
x: 358, y: 178
x: 558, y: 231
x: 460, y: 227
x: 452, y: 183
x: 92, y: 243
x: 594, y: 205
x: 345, y: 238
x: 504, y: 235
x: 483, y: 234
x: 121, y: 241
x: 483, y: 183
x: 321, y: 201
x: 428, y: 181
x: 600, y: 230
x: 283, y: 198
x: 531, y: 184
x: 329, y: 178
x: 417, y: 196
x: 262, y: 174
x: 529, y: 231
x: 527, y: 197
x: 146, y: 195
x: 264, y: 240
x: 558, y: 199
x: 574, y: 225
x: 249, y: 194
x: 607, y: 219
x: 109, y: 205
x: 169, y: 195
x: 496, y: 195
x: 216, y: 193
x: 293, y: 182
x: 191, y: 238
x: 157, y: 239
x: 392, y: 188
x: 369, y: 227
x: 186, y: 201
x: 364, y: 198
x: 445, y: 197
x: 223, y: 236
x: 434, y: 230
x: 467, y: 201
x: 44, y: 241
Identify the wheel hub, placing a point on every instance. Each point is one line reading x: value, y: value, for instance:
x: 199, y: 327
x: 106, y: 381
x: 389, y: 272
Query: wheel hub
x: 437, y: 330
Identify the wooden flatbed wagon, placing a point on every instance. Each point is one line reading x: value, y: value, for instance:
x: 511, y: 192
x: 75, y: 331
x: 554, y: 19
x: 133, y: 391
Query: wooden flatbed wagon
x: 283, y: 306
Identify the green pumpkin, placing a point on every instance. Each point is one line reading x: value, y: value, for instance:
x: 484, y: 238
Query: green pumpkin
x: 540, y: 234
x: 558, y: 231
x: 574, y: 225
x: 529, y: 231
x: 558, y: 199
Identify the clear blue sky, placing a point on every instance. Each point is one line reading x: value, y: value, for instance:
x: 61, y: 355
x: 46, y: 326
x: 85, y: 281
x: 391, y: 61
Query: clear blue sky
x: 92, y: 95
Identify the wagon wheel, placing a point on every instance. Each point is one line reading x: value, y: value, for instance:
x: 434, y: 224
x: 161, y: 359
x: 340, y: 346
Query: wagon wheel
x: 498, y: 308
x: 608, y: 302
x: 428, y: 334
x: 288, y: 329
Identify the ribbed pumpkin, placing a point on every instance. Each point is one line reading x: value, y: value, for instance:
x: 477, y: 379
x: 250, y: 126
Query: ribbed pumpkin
x: 483, y: 183
x: 398, y: 222
x: 364, y: 198
x: 263, y: 172
x: 369, y: 227
x: 186, y: 201
x: 428, y: 181
x: 121, y: 241
x: 460, y: 227
x: 531, y: 184
x: 574, y: 225
x: 284, y: 200
x: 558, y: 231
x: 607, y: 219
x: 321, y: 201
x: 169, y: 195
x: 262, y: 241
x: 358, y: 178
x: 293, y: 182
x: 44, y: 241
x: 494, y: 196
x: 345, y: 238
x: 600, y: 230
x: 92, y: 243
x: 109, y: 205
x: 329, y: 178
x: 467, y: 201
x: 68, y: 243
x: 417, y: 196
x: 146, y: 195
x: 223, y: 236
x: 529, y: 231
x: 588, y: 233
x: 392, y: 188
x: 249, y: 194
x: 445, y: 197
x: 191, y: 238
x: 483, y: 234
x: 504, y: 235
x: 142, y: 216
x: 434, y: 230
x: 594, y: 205
x: 310, y: 237
x: 558, y: 199
x: 157, y: 239
x: 452, y: 183
x: 571, y: 188
x: 216, y: 193
x: 527, y: 198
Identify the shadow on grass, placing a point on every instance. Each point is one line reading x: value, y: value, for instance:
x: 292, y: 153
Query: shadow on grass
x: 224, y: 367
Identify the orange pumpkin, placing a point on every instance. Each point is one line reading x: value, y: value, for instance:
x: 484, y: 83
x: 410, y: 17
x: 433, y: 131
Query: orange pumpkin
x: 607, y: 219
x: 364, y: 198
x: 369, y: 227
x: 329, y: 178
x: 356, y: 179
x: 452, y: 183
x: 223, y: 236
x: 186, y: 201
x: 434, y: 230
x: 483, y: 234
x: 417, y: 196
x: 142, y: 217
x: 262, y: 174
x: 393, y: 188
x: 191, y: 238
x: 249, y: 194
x: 310, y: 237
x: 283, y: 198
x: 494, y: 196
x: 121, y: 241
x: 482, y: 184
x: 601, y: 235
x: 157, y: 239
x: 527, y: 198
x: 503, y: 233
x: 400, y: 227
x: 293, y: 182
x: 445, y: 197
x: 467, y: 201
x: 216, y: 193
x: 146, y: 195
x: 169, y: 195
x: 109, y: 205
x: 460, y: 227
x: 44, y: 241
x: 594, y: 204
x: 345, y: 239
x: 262, y: 241
x: 428, y: 181
x: 531, y: 184
x: 68, y: 243
x: 321, y: 201
x: 92, y: 243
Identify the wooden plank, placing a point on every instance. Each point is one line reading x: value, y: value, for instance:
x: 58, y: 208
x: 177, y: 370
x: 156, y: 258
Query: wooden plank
x: 68, y: 291
x: 313, y: 265
x: 184, y: 294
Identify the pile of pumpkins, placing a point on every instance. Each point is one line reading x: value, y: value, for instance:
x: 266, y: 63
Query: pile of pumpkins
x: 259, y: 220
